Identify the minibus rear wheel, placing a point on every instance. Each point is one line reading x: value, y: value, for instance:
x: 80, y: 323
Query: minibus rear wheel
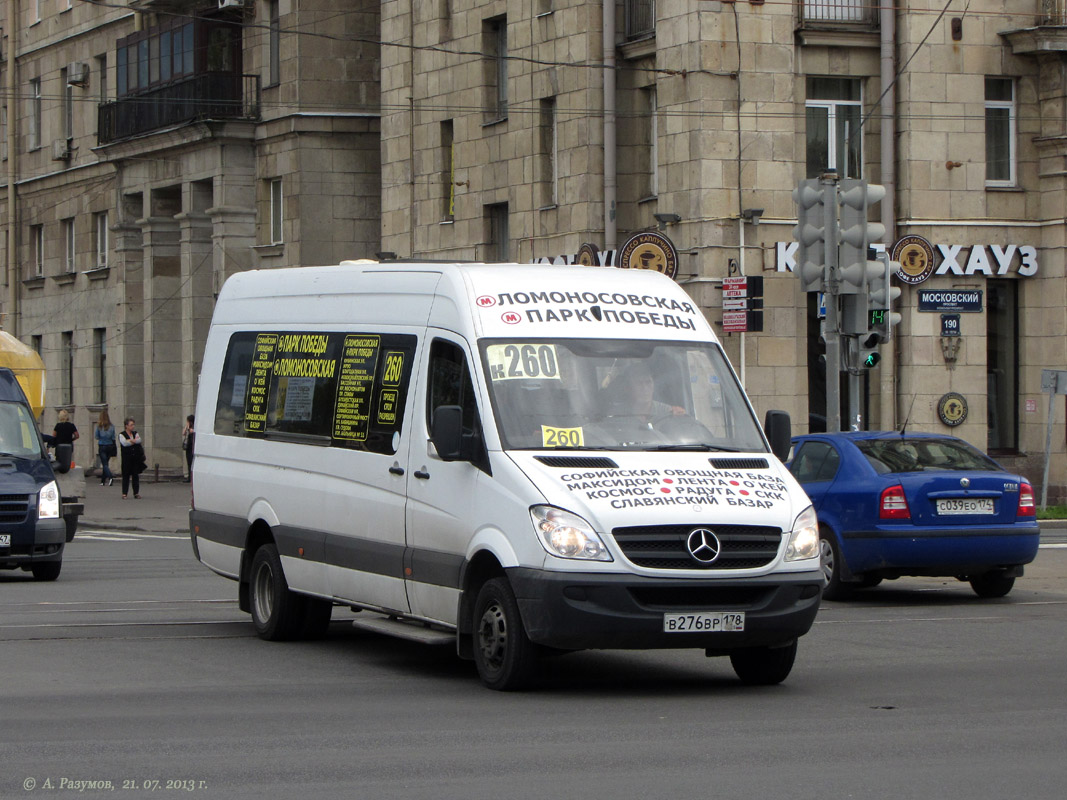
x: 277, y: 613
x: 506, y: 658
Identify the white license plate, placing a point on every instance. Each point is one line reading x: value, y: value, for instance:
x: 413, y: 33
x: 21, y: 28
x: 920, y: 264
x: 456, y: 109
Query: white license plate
x: 705, y: 622
x: 5, y: 540
x: 956, y: 506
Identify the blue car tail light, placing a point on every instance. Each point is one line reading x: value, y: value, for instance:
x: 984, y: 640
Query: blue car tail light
x: 1026, y: 501
x: 893, y: 504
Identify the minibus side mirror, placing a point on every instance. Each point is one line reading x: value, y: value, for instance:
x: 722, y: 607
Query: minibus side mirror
x: 64, y: 455
x: 779, y: 431
x: 446, y: 432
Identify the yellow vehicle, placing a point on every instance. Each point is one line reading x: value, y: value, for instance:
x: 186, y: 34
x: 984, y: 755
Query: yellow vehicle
x: 28, y: 368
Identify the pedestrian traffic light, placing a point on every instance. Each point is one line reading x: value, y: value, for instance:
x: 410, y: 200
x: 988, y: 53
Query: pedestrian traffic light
x: 856, y: 234
x: 882, y: 295
x: 868, y: 350
x: 811, y: 198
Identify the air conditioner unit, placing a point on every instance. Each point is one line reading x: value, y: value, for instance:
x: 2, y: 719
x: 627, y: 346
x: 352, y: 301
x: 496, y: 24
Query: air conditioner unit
x: 78, y: 73
x: 231, y: 3
x: 61, y: 150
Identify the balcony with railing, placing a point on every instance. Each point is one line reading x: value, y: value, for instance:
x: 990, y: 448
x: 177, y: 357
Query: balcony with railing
x: 839, y: 12
x: 640, y: 19
x: 204, y: 96
x: 1047, y: 35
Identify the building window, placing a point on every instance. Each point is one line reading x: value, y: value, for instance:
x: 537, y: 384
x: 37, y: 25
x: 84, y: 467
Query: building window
x: 37, y: 249
x: 68, y: 245
x: 999, y: 132
x: 1002, y: 363
x: 834, y: 111
x: 101, y: 72
x: 495, y: 38
x: 640, y: 18
x: 68, y: 367
x: 275, y: 75
x: 37, y: 342
x: 549, y: 152
x: 496, y: 217
x: 100, y: 363
x: 839, y: 11
x: 67, y: 104
x: 276, y: 217
x: 448, y: 170
x: 100, y: 239
x: 35, y: 114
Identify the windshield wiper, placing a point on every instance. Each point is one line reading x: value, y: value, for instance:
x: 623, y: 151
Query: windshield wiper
x: 699, y: 447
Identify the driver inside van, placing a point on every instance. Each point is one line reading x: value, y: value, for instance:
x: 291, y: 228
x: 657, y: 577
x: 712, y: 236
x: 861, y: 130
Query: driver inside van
x: 632, y: 394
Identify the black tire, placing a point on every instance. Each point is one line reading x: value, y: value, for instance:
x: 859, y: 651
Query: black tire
x: 72, y: 526
x: 869, y: 581
x: 992, y: 584
x: 764, y: 666
x: 506, y: 658
x: 46, y: 570
x: 277, y: 613
x: 830, y: 563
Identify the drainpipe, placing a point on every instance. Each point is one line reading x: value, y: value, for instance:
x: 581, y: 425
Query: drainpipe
x: 12, y: 171
x: 888, y: 23
x: 610, y: 176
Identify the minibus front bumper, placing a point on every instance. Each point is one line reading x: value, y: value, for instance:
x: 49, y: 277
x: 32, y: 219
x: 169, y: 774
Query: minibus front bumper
x: 577, y: 611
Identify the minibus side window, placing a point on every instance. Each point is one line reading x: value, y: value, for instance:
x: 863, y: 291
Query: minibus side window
x: 450, y: 383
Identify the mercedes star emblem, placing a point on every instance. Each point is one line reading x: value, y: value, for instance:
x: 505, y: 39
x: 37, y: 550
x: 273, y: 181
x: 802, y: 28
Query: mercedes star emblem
x: 703, y: 545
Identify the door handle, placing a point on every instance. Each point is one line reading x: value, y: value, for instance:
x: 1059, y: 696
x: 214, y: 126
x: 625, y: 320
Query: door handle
x: 421, y: 474
x: 396, y: 469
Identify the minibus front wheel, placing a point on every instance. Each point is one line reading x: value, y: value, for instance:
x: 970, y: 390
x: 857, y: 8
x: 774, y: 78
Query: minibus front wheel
x: 506, y: 658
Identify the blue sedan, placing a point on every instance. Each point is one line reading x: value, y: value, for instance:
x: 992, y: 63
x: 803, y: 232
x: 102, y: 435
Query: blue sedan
x: 892, y: 504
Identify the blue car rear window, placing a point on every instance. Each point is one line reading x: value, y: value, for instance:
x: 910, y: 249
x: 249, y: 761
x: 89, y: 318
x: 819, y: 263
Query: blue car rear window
x: 919, y: 455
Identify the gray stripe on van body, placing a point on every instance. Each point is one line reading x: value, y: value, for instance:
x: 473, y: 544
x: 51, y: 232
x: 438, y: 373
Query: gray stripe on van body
x: 363, y: 555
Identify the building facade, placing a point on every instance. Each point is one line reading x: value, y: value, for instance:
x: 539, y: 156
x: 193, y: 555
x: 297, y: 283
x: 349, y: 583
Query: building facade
x: 511, y: 131
x: 156, y: 147
x: 152, y: 149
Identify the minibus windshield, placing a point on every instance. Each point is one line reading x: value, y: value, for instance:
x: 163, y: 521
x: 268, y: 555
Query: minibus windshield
x: 611, y: 394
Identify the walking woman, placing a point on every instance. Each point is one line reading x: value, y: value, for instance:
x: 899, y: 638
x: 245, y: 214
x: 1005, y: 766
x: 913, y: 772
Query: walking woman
x: 133, y: 459
x: 105, y: 447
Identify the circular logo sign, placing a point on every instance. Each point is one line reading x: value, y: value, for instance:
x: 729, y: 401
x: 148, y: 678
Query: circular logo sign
x: 952, y: 409
x: 916, y: 257
x: 703, y: 545
x: 649, y: 250
x: 587, y: 255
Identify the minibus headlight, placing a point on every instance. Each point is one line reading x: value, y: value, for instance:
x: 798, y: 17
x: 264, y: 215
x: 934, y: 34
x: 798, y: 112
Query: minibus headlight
x: 48, y: 502
x: 804, y: 538
x: 567, y: 535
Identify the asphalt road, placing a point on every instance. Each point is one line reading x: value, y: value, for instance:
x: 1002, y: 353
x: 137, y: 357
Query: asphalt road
x: 136, y: 667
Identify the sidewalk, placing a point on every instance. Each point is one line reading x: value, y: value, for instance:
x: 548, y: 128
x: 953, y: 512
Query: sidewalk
x: 163, y: 507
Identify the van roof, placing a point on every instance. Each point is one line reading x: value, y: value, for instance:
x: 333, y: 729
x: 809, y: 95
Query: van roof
x: 502, y: 300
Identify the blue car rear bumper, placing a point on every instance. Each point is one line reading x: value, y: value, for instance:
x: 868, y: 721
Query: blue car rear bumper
x: 933, y: 551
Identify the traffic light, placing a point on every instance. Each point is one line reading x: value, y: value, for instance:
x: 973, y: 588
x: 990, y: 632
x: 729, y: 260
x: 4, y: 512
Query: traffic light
x: 811, y: 198
x: 856, y: 234
x: 881, y: 294
x: 868, y: 350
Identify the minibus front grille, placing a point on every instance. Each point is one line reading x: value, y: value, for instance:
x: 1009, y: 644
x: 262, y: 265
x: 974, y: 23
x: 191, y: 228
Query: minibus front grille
x: 665, y: 546
x: 577, y: 462
x: 660, y: 598
x: 738, y: 463
x: 14, y: 508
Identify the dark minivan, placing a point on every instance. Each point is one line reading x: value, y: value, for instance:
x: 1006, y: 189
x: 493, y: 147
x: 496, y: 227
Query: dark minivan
x: 32, y: 528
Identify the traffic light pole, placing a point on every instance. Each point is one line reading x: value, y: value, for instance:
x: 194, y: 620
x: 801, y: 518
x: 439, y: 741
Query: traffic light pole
x: 832, y: 332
